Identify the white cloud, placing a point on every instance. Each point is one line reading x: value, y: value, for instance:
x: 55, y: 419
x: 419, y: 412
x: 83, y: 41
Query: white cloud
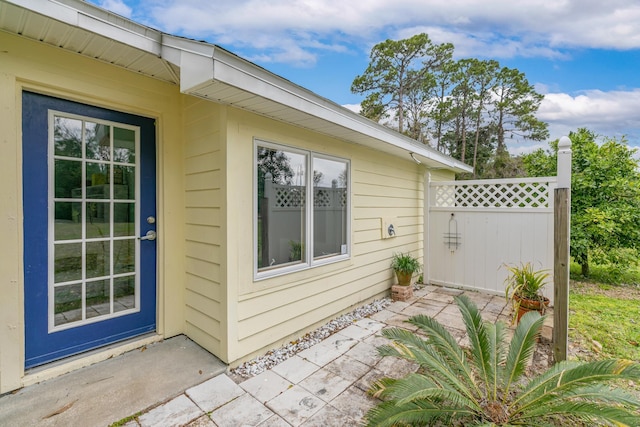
x: 297, y: 32
x: 281, y: 29
x: 612, y: 114
x: 116, y: 6
x: 525, y: 148
x: 356, y: 108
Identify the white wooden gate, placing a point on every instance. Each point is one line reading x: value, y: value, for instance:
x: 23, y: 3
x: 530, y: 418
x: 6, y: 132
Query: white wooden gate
x: 478, y: 227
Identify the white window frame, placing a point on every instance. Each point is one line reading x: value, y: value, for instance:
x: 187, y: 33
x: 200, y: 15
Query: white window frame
x: 309, y: 230
x: 51, y: 285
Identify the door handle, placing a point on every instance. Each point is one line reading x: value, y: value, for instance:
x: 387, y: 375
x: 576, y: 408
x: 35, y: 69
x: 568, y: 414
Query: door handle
x: 151, y: 235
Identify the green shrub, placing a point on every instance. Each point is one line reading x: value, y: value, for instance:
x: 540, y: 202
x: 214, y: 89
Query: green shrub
x: 525, y: 282
x: 615, y: 274
x: 485, y: 385
x: 405, y: 263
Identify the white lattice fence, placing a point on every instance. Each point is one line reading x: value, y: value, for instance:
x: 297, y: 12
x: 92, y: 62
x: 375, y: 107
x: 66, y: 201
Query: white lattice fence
x: 293, y: 197
x: 493, y: 223
x: 285, y: 223
x: 532, y: 193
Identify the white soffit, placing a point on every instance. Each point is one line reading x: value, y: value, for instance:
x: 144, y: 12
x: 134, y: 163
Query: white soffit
x: 82, y: 28
x: 202, y: 70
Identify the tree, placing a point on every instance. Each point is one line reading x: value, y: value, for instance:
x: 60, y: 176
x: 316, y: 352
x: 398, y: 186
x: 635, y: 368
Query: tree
x: 389, y: 77
x: 503, y: 165
x: 605, y: 197
x: 484, y: 76
x: 486, y: 385
x: 417, y: 105
x: 484, y: 155
x: 514, y: 108
x: 277, y: 164
x: 463, y: 96
x: 469, y: 102
x: 441, y: 111
x: 465, y: 108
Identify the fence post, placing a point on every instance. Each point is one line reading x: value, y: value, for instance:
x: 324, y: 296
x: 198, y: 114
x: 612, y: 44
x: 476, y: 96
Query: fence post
x: 561, y: 235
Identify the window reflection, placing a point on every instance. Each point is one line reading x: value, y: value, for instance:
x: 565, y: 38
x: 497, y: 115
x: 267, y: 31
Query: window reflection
x: 124, y: 145
x: 67, y: 262
x: 98, y: 299
x: 98, y: 220
x: 98, y: 141
x: 287, y: 207
x: 94, y: 216
x: 281, y: 207
x: 329, y: 207
x: 68, y: 221
x: 124, y: 219
x: 67, y: 137
x: 98, y: 258
x: 67, y: 304
x: 68, y: 179
x: 124, y: 293
x: 124, y: 256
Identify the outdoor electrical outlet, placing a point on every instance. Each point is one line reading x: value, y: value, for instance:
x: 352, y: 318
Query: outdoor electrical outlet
x: 388, y: 229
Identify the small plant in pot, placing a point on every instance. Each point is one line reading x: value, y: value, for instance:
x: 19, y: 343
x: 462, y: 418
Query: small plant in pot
x: 405, y: 267
x: 524, y: 287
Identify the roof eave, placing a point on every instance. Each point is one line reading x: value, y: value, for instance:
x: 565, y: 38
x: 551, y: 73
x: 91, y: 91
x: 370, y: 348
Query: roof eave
x: 203, y: 66
x: 207, y: 71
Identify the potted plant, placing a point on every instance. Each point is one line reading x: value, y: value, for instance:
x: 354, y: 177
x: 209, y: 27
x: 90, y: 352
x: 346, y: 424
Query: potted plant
x: 405, y: 267
x: 524, y: 287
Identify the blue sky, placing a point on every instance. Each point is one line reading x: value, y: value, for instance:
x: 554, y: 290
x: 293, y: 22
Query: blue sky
x: 583, y: 55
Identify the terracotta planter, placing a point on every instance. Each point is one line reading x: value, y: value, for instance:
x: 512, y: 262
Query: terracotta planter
x: 526, y: 305
x: 404, y: 279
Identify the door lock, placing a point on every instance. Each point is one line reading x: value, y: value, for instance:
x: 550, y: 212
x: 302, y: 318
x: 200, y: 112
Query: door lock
x: 151, y: 235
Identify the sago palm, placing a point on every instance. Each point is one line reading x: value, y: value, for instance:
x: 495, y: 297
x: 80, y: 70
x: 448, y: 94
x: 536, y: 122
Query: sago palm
x: 485, y: 385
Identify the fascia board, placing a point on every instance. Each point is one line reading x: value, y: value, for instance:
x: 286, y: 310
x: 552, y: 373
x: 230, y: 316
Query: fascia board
x: 48, y: 8
x: 202, y: 64
x: 98, y: 21
x: 234, y: 71
x: 125, y: 36
x: 195, y: 60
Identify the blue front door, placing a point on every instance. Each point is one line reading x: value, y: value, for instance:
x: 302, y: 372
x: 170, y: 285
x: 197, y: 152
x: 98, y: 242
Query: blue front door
x: 89, y: 195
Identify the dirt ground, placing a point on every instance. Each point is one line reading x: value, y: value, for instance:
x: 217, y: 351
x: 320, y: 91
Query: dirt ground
x: 613, y: 291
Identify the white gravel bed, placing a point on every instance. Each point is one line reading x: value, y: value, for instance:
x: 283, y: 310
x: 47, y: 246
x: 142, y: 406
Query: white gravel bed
x: 273, y: 357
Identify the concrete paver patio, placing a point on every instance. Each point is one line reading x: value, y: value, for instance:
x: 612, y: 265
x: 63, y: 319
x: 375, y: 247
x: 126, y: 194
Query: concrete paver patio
x: 325, y: 385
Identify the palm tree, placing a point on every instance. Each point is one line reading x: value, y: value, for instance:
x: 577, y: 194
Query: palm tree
x: 484, y: 385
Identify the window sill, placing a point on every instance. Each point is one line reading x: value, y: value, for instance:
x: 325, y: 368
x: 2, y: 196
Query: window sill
x: 290, y: 269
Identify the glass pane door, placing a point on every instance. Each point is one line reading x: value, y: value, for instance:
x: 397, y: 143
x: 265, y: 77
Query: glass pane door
x: 94, y: 246
x: 89, y: 193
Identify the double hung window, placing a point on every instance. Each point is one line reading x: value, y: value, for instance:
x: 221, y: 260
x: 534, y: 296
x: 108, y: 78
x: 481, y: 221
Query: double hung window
x: 301, y: 209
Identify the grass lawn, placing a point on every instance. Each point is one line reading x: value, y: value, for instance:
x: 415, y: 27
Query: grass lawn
x: 605, y: 319
x: 608, y: 274
x: 604, y: 316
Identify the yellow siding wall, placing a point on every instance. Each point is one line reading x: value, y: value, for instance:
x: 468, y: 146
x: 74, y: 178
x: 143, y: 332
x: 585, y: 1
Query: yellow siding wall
x: 204, y: 197
x: 205, y: 211
x: 271, y: 311
x: 442, y: 175
x: 37, y: 67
